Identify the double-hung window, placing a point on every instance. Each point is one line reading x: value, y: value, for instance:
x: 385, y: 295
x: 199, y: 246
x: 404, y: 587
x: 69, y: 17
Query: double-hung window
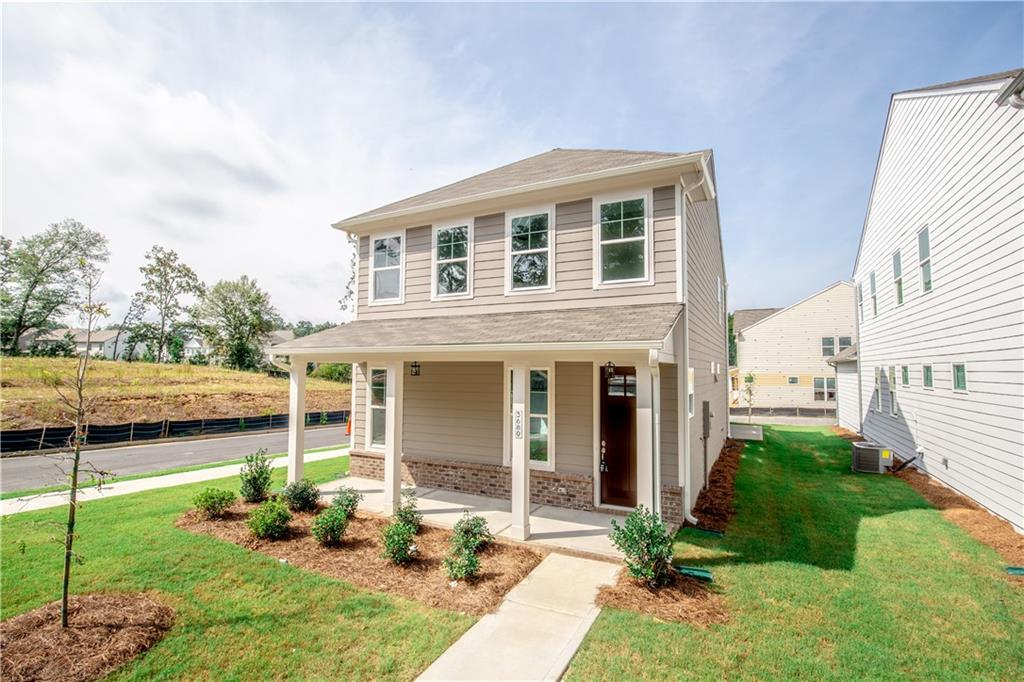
x: 828, y: 346
x: 540, y: 410
x: 960, y: 377
x: 874, y: 296
x: 453, y: 254
x: 897, y: 277
x: 387, y: 254
x: 860, y: 301
x: 689, y: 392
x: 927, y: 378
x: 622, y: 242
x: 530, y: 254
x: 924, y: 260
x: 894, y: 408
x: 905, y: 375
x: 378, y: 408
x: 845, y: 342
x: 878, y: 389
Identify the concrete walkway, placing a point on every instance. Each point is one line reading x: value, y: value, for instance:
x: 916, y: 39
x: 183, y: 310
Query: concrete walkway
x: 552, y: 527
x: 30, y: 503
x: 746, y: 431
x: 536, y: 630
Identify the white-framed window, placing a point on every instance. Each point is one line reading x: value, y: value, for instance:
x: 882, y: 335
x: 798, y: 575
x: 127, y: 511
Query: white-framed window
x: 897, y: 277
x: 721, y: 308
x: 793, y: 381
x: 530, y: 250
x: 845, y: 342
x: 878, y: 389
x: 894, y: 406
x: 540, y: 406
x: 376, y: 433
x: 622, y: 239
x: 927, y: 377
x: 387, y: 269
x: 828, y: 346
x: 959, y: 377
x: 860, y: 300
x: 905, y: 375
x: 824, y: 388
x: 874, y: 296
x: 451, y: 273
x: 689, y: 392
x: 924, y: 259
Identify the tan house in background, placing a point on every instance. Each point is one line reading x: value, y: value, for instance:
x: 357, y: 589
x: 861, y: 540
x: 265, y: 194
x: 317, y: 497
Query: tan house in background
x: 787, y: 350
x: 552, y: 331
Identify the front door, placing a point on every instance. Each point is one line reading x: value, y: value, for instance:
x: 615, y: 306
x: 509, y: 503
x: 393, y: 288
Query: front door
x: 618, y: 437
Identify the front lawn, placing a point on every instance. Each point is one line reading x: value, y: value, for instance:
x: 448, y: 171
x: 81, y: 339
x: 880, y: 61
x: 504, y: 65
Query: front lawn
x: 240, y: 614
x: 826, y: 575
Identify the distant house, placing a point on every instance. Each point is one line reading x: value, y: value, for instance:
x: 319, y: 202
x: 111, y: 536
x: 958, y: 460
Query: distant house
x: 100, y: 342
x: 787, y: 349
x: 940, y: 289
x: 847, y: 391
x: 195, y: 346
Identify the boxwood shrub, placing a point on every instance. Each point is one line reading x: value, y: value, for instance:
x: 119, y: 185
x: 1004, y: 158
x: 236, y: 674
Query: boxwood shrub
x: 645, y: 542
x: 269, y: 521
x: 302, y: 495
x: 329, y: 526
x: 211, y: 503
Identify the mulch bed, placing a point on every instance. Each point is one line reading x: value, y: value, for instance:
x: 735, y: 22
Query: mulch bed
x: 104, y: 631
x: 686, y: 600
x: 358, y: 559
x: 714, y: 506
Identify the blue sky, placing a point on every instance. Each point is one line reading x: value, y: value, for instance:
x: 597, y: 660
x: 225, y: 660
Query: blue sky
x: 236, y: 134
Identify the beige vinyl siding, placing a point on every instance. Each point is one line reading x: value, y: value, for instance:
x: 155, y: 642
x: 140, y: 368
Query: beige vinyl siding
x: 704, y: 264
x: 573, y: 255
x: 358, y: 415
x: 951, y: 162
x: 669, y: 425
x: 574, y: 417
x: 847, y: 407
x: 788, y: 343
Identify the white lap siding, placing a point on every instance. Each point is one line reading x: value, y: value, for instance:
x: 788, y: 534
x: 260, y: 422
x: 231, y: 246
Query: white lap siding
x: 848, y: 414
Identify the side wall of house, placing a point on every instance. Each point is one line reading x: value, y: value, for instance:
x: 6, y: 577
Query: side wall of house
x: 951, y: 162
x: 789, y: 344
x: 847, y: 409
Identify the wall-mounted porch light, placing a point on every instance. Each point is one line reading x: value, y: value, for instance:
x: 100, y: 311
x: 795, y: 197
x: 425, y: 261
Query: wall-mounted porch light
x: 414, y: 369
x: 609, y: 370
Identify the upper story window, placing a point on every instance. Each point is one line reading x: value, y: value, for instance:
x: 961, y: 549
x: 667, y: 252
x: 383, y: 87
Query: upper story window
x: 878, y: 389
x: 860, y: 301
x: 927, y: 378
x: 924, y: 259
x: 844, y: 343
x: 897, y: 277
x: 828, y: 346
x: 453, y: 257
x: 894, y: 406
x: 874, y: 296
x: 530, y: 264
x: 960, y: 377
x: 622, y: 240
x: 387, y: 262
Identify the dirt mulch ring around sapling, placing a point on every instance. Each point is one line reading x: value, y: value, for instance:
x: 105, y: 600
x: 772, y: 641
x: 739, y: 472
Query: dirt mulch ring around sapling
x: 358, y: 560
x: 104, y: 632
x: 685, y: 600
x: 714, y: 508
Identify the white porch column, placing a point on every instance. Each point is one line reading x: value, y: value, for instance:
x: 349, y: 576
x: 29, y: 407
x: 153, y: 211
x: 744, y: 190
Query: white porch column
x: 656, y: 437
x: 393, y: 437
x: 296, y: 418
x: 520, y: 529
x: 644, y: 437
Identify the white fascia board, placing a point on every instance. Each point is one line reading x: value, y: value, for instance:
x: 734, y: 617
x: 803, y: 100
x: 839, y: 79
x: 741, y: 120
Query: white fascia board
x: 654, y: 344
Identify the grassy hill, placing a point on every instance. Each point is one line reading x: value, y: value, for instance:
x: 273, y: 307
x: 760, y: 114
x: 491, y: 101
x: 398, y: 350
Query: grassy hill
x: 140, y: 391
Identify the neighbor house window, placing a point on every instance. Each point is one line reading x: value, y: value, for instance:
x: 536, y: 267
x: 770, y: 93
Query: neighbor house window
x: 959, y: 377
x: 924, y: 260
x: 386, y: 269
x: 844, y: 343
x: 894, y: 408
x: 828, y: 346
x: 860, y: 301
x: 529, y: 250
x: 905, y: 375
x: 721, y: 308
x: 874, y: 297
x: 926, y: 376
x: 539, y: 415
x: 378, y: 407
x: 878, y: 389
x: 897, y: 277
x: 622, y: 241
x: 824, y: 388
x: 793, y: 380
x: 689, y: 392
x: 452, y: 258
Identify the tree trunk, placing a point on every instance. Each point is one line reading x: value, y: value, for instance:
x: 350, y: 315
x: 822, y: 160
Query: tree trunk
x: 69, y: 536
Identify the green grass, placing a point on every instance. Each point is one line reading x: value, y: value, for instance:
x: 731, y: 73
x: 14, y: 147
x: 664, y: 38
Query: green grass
x: 240, y: 614
x: 148, y: 474
x: 827, y: 575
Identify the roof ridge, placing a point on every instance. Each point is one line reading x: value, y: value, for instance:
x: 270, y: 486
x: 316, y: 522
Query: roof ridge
x: 998, y: 76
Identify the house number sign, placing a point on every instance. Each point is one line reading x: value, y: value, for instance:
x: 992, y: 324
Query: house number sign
x: 517, y: 424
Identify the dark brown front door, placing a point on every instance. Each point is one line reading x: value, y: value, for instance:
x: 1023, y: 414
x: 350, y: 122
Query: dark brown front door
x: 618, y: 437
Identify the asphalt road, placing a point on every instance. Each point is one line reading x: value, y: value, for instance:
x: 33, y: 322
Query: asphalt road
x: 37, y: 471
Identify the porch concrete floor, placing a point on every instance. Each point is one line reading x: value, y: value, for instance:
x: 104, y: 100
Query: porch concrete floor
x: 554, y: 527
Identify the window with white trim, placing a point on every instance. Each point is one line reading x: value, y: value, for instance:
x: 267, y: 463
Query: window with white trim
x: 960, y: 377
x: 378, y: 408
x: 793, y: 381
x: 927, y: 378
x: 622, y: 241
x: 540, y: 407
x: 874, y: 297
x: 828, y: 346
x: 824, y: 388
x: 529, y: 258
x: 860, y: 301
x: 386, y: 255
x: 878, y: 389
x: 905, y: 375
x: 845, y: 342
x: 894, y: 407
x: 689, y: 392
x: 452, y: 259
x: 924, y: 259
x: 897, y: 277
x: 721, y: 308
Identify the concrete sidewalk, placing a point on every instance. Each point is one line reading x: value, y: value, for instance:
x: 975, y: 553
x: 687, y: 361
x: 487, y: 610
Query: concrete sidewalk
x: 16, y: 505
x: 537, y: 629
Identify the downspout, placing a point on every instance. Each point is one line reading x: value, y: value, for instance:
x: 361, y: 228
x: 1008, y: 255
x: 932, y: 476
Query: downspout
x: 280, y: 364
x: 684, y: 370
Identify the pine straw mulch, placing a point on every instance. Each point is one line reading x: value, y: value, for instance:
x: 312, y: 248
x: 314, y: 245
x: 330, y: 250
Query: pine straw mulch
x: 104, y: 632
x: 685, y: 600
x: 714, y: 506
x: 358, y: 559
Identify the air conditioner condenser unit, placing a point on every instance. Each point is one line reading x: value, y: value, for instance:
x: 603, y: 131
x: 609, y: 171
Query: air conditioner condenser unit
x: 868, y: 457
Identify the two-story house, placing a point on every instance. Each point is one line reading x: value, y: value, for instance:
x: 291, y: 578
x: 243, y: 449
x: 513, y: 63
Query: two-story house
x: 552, y: 331
x: 787, y: 351
x: 940, y: 289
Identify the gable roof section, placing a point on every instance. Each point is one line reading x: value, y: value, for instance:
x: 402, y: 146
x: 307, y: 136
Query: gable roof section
x: 780, y: 311
x: 741, y: 319
x: 620, y: 326
x: 975, y: 80
x: 848, y: 355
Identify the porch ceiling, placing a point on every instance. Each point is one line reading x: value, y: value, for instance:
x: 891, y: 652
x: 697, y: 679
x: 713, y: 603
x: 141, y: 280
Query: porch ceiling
x: 609, y: 327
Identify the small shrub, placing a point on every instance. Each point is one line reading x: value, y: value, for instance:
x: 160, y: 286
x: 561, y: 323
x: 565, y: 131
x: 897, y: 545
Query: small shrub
x: 399, y: 545
x: 461, y: 562
x: 348, y: 499
x: 645, y: 541
x: 255, y: 477
x: 302, y: 495
x: 472, y: 531
x: 211, y: 503
x: 329, y: 526
x: 407, y: 512
x: 270, y: 520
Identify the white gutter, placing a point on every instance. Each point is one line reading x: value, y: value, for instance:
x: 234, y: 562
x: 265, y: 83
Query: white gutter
x: 654, y: 344
x: 285, y: 366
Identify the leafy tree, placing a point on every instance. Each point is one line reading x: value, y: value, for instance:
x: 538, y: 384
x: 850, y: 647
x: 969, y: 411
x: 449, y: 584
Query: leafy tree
x: 166, y: 282
x: 62, y: 348
x: 347, y: 303
x: 235, y: 317
x: 732, y: 343
x: 748, y: 394
x: 305, y: 327
x: 132, y: 317
x: 41, y: 276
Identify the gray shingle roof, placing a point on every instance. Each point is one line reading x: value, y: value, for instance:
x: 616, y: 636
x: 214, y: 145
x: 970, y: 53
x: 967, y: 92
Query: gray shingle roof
x: 636, y: 323
x: 848, y: 355
x: 1002, y: 75
x: 741, y: 319
x: 552, y: 165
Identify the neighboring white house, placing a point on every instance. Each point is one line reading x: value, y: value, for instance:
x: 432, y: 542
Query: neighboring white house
x: 788, y: 350
x: 847, y: 391
x: 195, y: 346
x: 100, y: 342
x: 940, y: 287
